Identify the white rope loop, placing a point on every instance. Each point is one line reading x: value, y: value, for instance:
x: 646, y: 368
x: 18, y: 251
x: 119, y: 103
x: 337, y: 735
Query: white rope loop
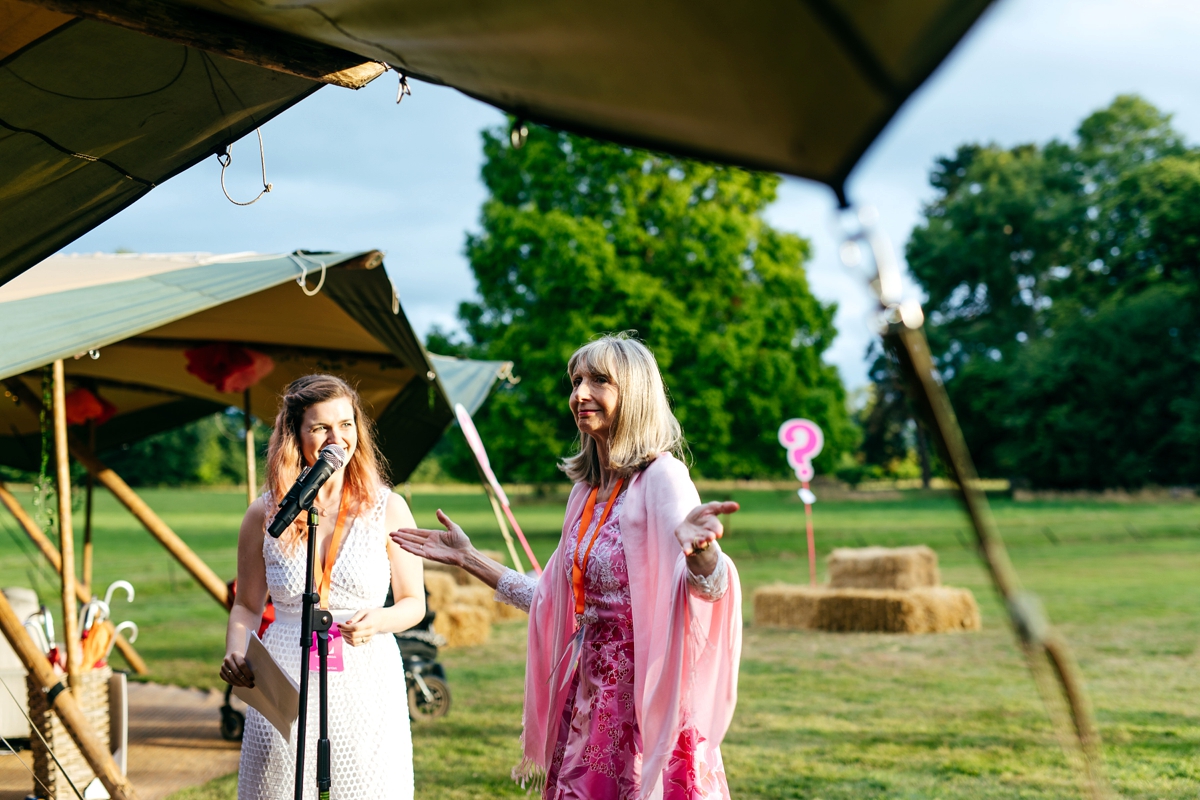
x: 226, y: 159
x: 302, y: 278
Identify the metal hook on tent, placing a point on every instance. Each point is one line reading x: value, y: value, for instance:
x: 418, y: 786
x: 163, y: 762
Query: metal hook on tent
x: 518, y: 133
x: 226, y: 159
x: 302, y: 279
x: 403, y: 88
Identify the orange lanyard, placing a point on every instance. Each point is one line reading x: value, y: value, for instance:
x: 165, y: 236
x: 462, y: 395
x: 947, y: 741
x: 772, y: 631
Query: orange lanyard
x: 331, y: 556
x: 579, y: 569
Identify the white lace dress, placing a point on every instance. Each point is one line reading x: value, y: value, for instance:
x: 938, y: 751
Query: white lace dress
x: 370, y: 741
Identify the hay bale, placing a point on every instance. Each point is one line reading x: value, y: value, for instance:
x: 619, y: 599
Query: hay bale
x: 505, y: 612
x: 899, y: 568
x: 783, y: 606
x: 460, y: 575
x: 478, y: 596
x: 441, y: 588
x: 937, y: 609
x: 463, y: 625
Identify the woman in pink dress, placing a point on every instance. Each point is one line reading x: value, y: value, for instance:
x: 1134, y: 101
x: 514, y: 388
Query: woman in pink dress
x: 635, y: 625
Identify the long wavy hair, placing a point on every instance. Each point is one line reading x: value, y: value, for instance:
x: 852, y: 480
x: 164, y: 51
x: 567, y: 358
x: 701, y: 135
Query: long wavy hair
x: 362, y: 476
x: 643, y: 425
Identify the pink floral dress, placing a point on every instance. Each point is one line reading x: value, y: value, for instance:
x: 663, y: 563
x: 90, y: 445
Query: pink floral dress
x: 599, y: 750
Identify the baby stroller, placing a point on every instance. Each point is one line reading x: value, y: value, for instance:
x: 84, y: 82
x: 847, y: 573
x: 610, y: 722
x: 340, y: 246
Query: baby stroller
x: 424, y: 677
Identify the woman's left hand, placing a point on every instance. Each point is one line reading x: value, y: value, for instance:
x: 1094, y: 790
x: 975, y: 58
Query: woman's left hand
x: 700, y: 528
x: 359, y: 629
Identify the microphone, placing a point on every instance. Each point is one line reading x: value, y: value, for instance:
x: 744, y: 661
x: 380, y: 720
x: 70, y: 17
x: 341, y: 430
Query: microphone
x: 300, y: 496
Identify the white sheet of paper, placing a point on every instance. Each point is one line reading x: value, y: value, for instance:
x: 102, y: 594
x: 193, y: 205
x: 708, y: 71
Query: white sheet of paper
x: 275, y: 695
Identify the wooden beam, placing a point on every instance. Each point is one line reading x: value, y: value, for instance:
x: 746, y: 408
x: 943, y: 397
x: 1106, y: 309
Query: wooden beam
x: 66, y: 535
x: 46, y: 547
x: 65, y: 706
x: 229, y: 37
x: 133, y: 503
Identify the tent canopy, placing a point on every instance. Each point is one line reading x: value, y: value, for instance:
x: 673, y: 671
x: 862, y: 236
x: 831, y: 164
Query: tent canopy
x: 140, y: 314
x: 92, y: 117
x: 100, y: 101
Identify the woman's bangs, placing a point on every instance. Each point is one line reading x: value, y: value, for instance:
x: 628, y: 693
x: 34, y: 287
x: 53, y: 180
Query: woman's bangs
x: 596, y: 358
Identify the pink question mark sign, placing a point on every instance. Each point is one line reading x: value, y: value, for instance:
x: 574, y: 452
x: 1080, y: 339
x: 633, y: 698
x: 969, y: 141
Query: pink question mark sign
x: 803, y: 441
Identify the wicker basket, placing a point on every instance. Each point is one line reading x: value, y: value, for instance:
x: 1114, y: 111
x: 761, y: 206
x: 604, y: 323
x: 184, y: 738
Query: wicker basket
x: 93, y: 700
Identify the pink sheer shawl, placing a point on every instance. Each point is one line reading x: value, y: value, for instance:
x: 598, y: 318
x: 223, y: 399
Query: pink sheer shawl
x: 686, y: 650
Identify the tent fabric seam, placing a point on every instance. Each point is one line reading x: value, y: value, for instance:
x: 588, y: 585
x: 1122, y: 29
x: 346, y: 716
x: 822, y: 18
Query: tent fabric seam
x: 73, y: 154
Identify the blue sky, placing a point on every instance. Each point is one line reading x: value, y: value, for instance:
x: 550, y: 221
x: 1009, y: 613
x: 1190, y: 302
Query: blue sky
x: 354, y: 171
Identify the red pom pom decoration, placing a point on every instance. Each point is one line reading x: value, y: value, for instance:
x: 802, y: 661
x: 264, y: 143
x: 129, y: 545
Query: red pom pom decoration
x: 230, y: 368
x: 83, y: 405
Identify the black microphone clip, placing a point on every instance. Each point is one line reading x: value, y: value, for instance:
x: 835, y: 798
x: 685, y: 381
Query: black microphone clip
x: 300, y: 497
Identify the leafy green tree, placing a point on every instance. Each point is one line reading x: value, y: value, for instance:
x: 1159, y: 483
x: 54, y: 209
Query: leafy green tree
x: 207, y: 452
x: 1054, y: 276
x: 581, y: 237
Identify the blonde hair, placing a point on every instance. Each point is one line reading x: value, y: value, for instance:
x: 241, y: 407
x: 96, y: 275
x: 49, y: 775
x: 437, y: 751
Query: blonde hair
x: 362, y: 476
x: 644, y: 425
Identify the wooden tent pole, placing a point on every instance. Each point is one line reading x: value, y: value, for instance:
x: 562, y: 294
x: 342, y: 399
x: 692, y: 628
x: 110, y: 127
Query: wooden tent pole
x: 51, y: 554
x: 251, y: 455
x: 66, y: 536
x: 87, y: 520
x: 136, y: 506
x: 64, y: 705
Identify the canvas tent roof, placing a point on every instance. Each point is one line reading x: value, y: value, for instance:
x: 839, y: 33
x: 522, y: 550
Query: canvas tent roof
x: 141, y: 312
x: 93, y: 114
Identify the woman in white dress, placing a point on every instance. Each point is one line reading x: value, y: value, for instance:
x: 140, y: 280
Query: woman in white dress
x: 368, y: 713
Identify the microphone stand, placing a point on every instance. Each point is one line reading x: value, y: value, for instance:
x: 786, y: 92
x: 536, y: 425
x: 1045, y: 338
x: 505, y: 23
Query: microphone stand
x: 314, y: 619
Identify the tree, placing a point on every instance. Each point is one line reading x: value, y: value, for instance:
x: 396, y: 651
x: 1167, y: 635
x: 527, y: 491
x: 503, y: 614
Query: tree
x: 1049, y: 267
x: 209, y: 451
x: 581, y: 237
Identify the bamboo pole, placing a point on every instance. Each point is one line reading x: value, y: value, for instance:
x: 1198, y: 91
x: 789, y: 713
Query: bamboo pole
x: 251, y: 456
x: 66, y: 536
x: 78, y: 728
x: 134, y: 504
x: 132, y: 657
x: 1046, y: 651
x: 508, y: 540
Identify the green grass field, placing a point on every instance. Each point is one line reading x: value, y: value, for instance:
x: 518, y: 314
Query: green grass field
x: 820, y: 715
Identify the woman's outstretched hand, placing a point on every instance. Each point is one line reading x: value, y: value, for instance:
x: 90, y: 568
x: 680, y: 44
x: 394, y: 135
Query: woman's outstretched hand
x: 448, y: 547
x: 700, y: 528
